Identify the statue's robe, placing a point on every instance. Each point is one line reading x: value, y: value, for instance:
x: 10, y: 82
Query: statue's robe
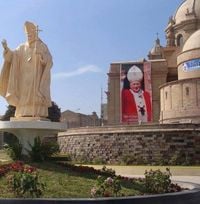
x: 25, y: 79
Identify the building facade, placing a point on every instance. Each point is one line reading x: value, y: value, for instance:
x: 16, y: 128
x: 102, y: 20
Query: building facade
x: 75, y: 120
x: 175, y: 72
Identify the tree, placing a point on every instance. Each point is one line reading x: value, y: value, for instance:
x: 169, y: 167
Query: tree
x: 10, y: 112
x: 53, y: 112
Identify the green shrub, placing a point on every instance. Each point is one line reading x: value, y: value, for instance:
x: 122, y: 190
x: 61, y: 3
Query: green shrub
x: 180, y: 158
x: 41, y: 151
x: 99, y: 161
x: 26, y: 183
x: 60, y: 157
x: 109, y: 187
x: 50, y: 148
x: 129, y: 159
x: 107, y: 171
x: 82, y: 159
x: 14, y: 150
x: 36, y: 152
x: 161, y: 161
x: 157, y: 181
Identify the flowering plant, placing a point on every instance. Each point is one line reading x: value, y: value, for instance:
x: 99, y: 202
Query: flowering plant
x: 16, y: 166
x: 25, y: 181
x: 109, y: 187
x: 157, y: 181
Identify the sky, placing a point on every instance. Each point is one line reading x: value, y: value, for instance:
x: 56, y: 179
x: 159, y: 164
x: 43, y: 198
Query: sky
x: 84, y: 38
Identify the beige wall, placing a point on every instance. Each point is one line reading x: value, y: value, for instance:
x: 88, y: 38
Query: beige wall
x: 158, y: 77
x: 114, y: 94
x: 180, y: 101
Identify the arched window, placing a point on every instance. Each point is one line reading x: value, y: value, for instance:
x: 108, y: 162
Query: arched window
x: 180, y: 40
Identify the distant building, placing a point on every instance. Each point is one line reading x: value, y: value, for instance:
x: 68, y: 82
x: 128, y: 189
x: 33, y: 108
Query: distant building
x: 171, y: 74
x: 74, y: 120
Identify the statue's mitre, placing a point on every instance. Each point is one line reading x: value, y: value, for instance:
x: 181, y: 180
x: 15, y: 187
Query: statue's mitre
x: 29, y: 27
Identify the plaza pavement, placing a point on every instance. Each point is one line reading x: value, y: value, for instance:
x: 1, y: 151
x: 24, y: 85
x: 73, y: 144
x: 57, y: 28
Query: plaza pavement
x: 179, y: 173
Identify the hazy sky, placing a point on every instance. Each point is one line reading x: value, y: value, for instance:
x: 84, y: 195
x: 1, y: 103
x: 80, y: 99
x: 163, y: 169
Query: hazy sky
x: 84, y: 37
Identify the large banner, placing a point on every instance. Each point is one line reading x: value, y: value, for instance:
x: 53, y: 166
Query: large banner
x: 136, y: 93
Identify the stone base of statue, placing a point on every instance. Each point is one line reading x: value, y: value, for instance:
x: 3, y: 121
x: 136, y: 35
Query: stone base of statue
x: 27, y: 130
x: 28, y: 119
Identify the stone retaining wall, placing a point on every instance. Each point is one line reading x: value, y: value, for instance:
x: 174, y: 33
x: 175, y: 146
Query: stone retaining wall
x: 141, y: 144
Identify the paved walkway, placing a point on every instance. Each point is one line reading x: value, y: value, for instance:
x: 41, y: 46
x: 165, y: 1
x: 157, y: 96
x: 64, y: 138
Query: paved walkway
x: 179, y: 173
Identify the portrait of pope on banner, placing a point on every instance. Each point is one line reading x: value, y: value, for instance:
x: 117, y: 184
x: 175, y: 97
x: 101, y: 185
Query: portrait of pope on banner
x: 136, y: 104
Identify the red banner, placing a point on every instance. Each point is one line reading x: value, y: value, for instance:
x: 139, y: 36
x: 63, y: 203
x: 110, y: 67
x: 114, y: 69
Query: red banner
x: 136, y: 93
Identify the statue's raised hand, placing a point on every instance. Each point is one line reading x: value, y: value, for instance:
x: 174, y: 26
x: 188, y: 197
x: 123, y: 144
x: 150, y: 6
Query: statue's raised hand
x: 7, y: 54
x: 4, y: 44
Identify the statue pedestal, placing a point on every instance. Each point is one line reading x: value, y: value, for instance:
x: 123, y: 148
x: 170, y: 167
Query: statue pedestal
x: 26, y: 131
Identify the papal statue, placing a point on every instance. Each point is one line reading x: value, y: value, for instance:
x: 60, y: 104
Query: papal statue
x: 25, y: 75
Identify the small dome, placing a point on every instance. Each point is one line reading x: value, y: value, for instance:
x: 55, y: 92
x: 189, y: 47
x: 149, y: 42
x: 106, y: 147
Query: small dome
x: 193, y: 42
x: 188, y: 10
x: 157, y: 49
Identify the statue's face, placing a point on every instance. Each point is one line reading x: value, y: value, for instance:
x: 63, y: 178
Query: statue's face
x: 135, y: 86
x: 31, y: 37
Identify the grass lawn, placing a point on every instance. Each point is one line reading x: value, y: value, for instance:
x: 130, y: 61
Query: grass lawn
x: 64, y: 183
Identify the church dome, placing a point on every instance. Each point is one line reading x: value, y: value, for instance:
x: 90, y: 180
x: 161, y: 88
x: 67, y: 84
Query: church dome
x: 193, y: 42
x: 188, y: 10
x: 189, y: 59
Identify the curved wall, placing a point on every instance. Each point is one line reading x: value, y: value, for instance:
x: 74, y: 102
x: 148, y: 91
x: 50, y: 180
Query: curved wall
x: 147, y: 143
x: 185, y: 197
x: 185, y: 57
x: 180, y: 101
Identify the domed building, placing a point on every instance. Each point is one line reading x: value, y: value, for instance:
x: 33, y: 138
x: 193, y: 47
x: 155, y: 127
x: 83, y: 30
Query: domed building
x: 171, y: 73
x: 153, y: 101
x: 180, y: 100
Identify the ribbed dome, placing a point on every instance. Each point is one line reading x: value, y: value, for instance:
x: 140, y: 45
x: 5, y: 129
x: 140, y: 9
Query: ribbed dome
x: 193, y: 42
x: 188, y: 10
